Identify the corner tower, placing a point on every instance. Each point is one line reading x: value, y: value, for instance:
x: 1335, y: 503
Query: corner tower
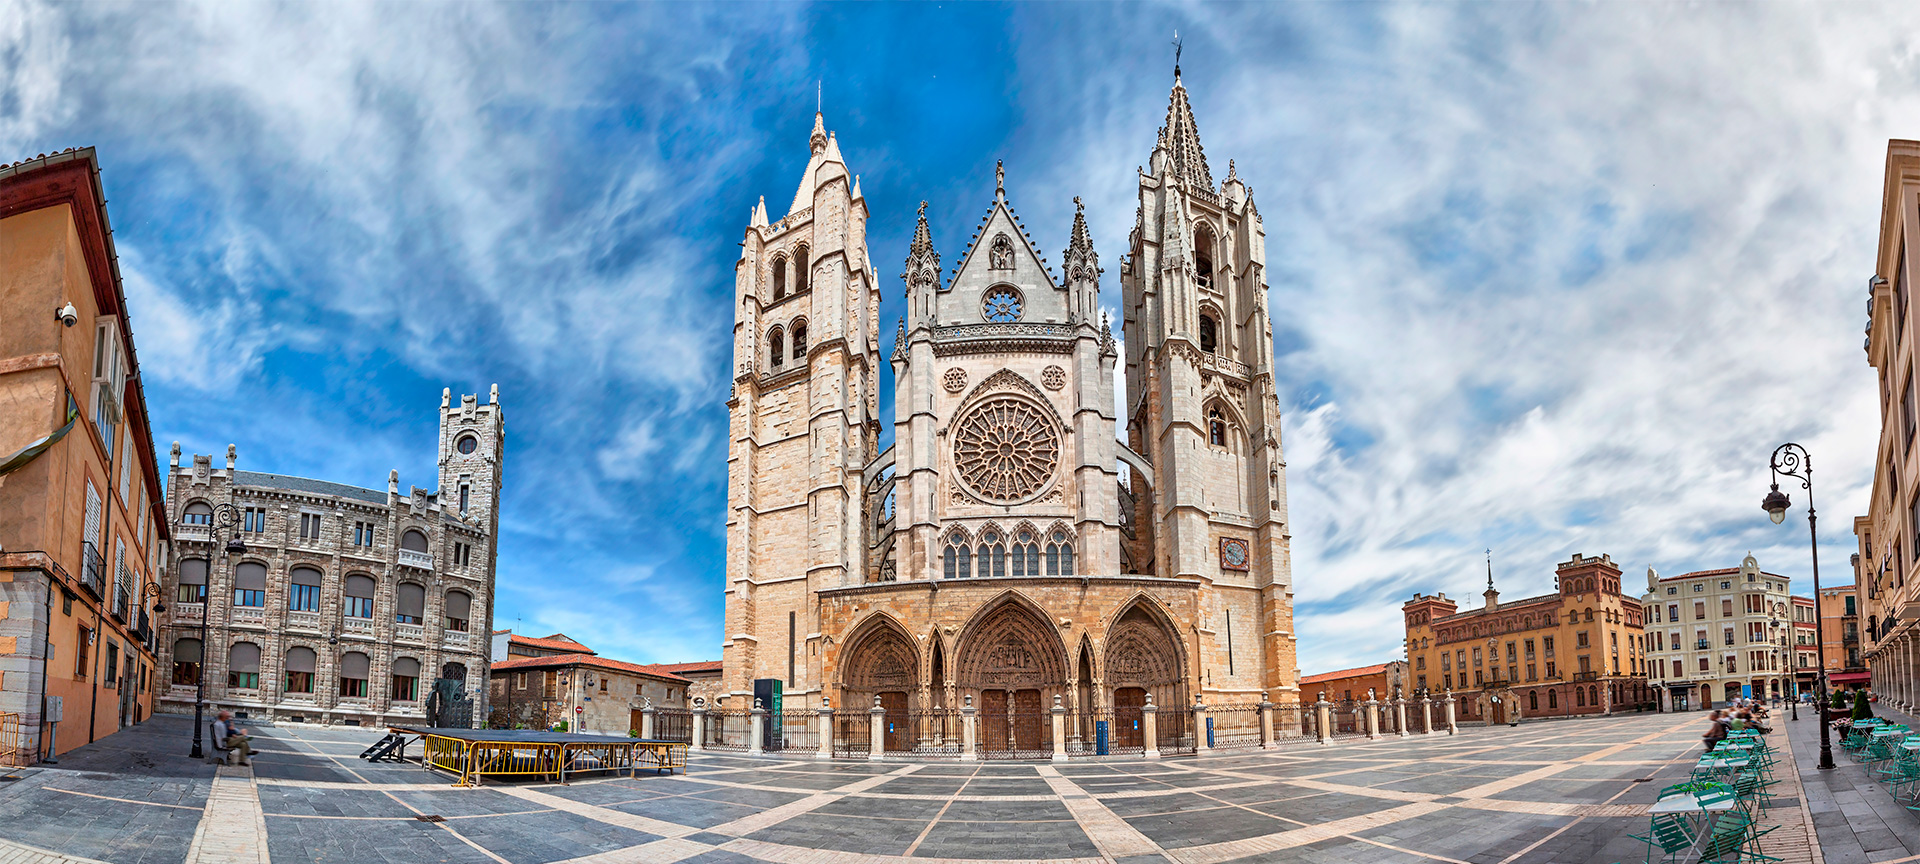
x: 473, y: 437
x: 1201, y: 405
x: 803, y: 422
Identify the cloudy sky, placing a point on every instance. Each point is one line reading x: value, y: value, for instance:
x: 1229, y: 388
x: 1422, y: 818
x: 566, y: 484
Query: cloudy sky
x: 1545, y: 279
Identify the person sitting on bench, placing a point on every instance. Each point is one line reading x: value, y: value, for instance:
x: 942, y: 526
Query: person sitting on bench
x: 232, y: 739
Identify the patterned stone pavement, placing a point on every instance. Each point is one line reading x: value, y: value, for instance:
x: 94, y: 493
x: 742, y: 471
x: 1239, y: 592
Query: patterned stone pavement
x: 1549, y: 791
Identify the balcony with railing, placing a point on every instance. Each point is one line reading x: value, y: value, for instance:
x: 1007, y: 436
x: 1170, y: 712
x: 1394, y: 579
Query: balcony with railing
x: 458, y: 638
x: 418, y: 560
x: 414, y: 633
x: 187, y: 531
x: 356, y: 626
x: 122, y: 603
x: 93, y: 571
x: 187, y: 611
x: 303, y: 621
x: 1591, y: 675
x: 249, y: 616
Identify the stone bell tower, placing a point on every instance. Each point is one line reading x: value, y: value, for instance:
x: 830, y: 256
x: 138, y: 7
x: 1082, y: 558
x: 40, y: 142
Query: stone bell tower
x: 473, y: 437
x: 803, y: 421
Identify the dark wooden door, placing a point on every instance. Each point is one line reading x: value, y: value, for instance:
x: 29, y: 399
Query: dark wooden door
x: 1030, y: 727
x: 633, y: 722
x: 898, y: 734
x: 1127, y: 730
x: 993, y: 719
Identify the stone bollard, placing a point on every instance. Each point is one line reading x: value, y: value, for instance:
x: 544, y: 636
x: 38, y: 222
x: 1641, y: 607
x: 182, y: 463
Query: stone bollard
x: 1059, y: 730
x: 967, y: 732
x: 1373, y: 719
x: 1201, y: 741
x: 647, y: 724
x: 1150, y: 727
x: 756, y: 730
x: 1266, y: 722
x: 1453, y: 725
x: 1426, y: 714
x: 1323, y: 718
x: 1400, y: 715
x: 826, y: 729
x: 877, y: 742
x: 699, y: 728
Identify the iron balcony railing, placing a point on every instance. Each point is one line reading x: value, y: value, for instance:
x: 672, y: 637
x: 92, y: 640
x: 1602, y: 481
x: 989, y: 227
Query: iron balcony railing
x: 1586, y: 676
x: 93, y: 571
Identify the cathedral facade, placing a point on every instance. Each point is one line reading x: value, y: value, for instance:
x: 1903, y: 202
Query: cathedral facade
x: 1018, y: 547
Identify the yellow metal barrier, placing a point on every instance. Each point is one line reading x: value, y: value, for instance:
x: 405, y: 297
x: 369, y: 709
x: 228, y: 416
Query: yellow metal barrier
x: 660, y: 756
x: 12, y: 753
x: 473, y: 760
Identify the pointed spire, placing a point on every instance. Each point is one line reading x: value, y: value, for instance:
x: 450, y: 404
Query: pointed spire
x: 1489, y: 569
x: 900, y: 340
x: 999, y: 180
x: 1232, y: 176
x: 923, y: 263
x: 1080, y: 256
x: 857, y: 194
x: 818, y: 140
x: 760, y: 213
x: 1182, y: 138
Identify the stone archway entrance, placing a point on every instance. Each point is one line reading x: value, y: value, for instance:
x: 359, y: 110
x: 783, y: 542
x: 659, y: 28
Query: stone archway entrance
x: 1144, y: 658
x: 1012, y: 664
x: 882, y: 664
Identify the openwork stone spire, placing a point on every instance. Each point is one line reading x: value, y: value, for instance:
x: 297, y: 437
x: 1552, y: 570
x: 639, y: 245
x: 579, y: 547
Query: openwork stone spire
x: 1182, y: 139
x: 1080, y: 257
x: 818, y: 140
x: 923, y: 263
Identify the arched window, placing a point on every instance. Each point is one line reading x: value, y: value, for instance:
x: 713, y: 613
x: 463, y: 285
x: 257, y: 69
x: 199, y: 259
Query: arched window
x: 1203, y: 256
x: 406, y: 679
x: 304, y: 595
x: 800, y: 268
x: 454, y: 671
x: 1579, y: 697
x: 300, y: 669
x: 413, y: 541
x: 243, y: 666
x: 1026, y: 554
x: 1216, y: 428
x: 1059, y: 554
x: 1533, y: 700
x: 459, y: 608
x: 193, y: 581
x: 198, y: 513
x: 359, y: 592
x: 777, y: 347
x: 779, y: 277
x: 993, y: 554
x: 409, y: 603
x: 250, y: 584
x: 799, y: 341
x: 353, y: 675
x: 1593, y: 696
x: 957, y: 561
x: 1553, y: 699
x: 186, y: 661
x: 1209, y: 337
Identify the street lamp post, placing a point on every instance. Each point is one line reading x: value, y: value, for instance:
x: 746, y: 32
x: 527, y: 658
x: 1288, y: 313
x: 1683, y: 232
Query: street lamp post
x: 223, y: 519
x: 1792, y: 460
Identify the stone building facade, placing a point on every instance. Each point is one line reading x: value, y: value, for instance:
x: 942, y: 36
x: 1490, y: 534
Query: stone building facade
x: 348, y: 603
x: 1576, y: 651
x: 1716, y: 635
x: 1380, y: 681
x: 1009, y: 551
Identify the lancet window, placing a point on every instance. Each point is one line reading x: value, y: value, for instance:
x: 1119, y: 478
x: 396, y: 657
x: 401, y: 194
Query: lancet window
x: 1059, y: 554
x: 777, y: 347
x: 779, y: 278
x: 957, y: 561
x: 1216, y: 428
x: 1026, y: 554
x: 993, y: 554
x: 800, y: 268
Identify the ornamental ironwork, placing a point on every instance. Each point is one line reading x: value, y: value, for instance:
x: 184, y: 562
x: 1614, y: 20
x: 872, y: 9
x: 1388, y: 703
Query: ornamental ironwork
x: 1006, y: 450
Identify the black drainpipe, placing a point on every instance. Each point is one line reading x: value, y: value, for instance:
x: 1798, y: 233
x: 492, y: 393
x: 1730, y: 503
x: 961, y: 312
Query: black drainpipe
x: 46, y: 655
x: 93, y: 712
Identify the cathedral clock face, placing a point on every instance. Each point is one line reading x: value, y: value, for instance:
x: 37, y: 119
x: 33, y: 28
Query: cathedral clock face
x: 1002, y: 305
x: 1233, y: 554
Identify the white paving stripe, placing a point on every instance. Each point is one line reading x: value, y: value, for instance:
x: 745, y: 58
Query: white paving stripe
x: 1112, y: 835
x: 232, y: 829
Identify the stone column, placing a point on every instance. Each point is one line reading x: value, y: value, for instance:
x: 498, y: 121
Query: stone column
x: 877, y: 731
x: 1373, y: 719
x: 1150, y: 727
x: 756, y: 729
x: 826, y: 730
x: 968, y: 734
x: 1453, y: 724
x: 1266, y: 722
x: 1059, y: 730
x: 1426, y: 714
x: 699, y: 728
x: 1323, y: 718
x: 1400, y: 715
x: 1201, y: 742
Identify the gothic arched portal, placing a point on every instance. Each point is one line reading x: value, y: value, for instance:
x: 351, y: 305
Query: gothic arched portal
x: 1144, y: 657
x: 881, y: 664
x: 1013, y: 665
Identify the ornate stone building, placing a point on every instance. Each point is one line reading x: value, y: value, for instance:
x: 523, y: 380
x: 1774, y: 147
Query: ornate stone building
x: 1717, y: 635
x: 1010, y: 550
x: 348, y: 602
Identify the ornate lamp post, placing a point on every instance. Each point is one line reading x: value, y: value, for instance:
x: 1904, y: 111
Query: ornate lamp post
x: 223, y: 520
x: 1792, y: 460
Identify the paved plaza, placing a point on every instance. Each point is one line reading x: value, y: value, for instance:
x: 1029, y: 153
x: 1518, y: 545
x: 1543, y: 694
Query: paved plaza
x: 1558, y: 791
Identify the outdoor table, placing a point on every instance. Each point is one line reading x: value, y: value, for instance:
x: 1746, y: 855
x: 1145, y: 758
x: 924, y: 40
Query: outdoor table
x: 1704, y: 815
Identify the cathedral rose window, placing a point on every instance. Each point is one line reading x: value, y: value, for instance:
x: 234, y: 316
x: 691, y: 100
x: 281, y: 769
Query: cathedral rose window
x: 1006, y: 450
x: 1002, y: 305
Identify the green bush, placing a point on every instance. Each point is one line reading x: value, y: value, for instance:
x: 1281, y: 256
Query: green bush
x: 560, y: 726
x: 1862, y: 710
x: 633, y: 733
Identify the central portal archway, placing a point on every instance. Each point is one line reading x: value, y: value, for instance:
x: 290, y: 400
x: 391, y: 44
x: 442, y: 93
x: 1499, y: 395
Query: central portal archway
x: 1013, y: 665
x: 882, y: 664
x: 1144, y: 658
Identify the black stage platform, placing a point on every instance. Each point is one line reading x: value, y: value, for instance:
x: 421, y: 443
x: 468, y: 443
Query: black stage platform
x: 523, y: 736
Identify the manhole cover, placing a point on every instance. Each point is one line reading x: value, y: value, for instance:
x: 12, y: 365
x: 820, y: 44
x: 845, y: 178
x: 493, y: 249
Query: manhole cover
x: 430, y: 818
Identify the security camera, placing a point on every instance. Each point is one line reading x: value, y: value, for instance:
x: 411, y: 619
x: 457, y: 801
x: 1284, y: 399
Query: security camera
x: 67, y: 314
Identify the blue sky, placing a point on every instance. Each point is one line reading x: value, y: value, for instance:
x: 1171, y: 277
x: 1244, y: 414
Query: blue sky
x: 1546, y: 279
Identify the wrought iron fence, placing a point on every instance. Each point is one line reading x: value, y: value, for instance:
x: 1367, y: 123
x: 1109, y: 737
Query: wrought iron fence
x: 935, y: 734
x: 1292, y: 722
x: 852, y: 734
x: 1234, y: 727
x: 673, y: 725
x: 1015, y: 735
x: 794, y: 730
x: 1174, y: 732
x: 727, y: 730
x: 1348, y: 719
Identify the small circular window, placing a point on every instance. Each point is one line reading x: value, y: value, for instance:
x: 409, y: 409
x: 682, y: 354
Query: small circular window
x: 1002, y: 305
x: 467, y: 443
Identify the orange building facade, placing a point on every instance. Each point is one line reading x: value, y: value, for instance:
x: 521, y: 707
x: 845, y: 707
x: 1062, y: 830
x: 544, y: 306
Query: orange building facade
x: 80, y: 530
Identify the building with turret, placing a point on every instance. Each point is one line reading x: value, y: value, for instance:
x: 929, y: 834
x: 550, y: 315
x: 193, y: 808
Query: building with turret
x: 1018, y: 547
x: 347, y: 603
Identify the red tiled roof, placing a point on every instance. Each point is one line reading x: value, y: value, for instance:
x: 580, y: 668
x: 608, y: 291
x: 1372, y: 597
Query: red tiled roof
x: 702, y: 666
x: 1329, y: 676
x: 523, y: 663
x: 556, y: 642
x: 1723, y: 571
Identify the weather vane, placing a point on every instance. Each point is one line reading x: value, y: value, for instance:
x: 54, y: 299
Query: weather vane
x: 1176, y: 53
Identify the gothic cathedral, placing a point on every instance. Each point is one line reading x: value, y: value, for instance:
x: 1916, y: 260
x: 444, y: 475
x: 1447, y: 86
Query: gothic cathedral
x: 1011, y: 551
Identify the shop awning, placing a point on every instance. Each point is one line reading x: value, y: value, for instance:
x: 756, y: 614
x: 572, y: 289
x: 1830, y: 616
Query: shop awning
x: 1850, y: 677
